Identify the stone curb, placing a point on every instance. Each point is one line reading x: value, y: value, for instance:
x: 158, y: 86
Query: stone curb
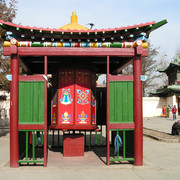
x: 160, y: 136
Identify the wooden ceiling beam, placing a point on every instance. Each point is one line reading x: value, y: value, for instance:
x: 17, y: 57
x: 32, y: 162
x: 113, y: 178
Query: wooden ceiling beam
x: 117, y: 71
x: 26, y: 70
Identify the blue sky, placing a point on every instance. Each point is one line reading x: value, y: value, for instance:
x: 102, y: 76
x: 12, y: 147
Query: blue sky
x: 106, y: 14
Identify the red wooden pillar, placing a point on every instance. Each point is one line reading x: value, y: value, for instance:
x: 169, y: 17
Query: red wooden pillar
x: 45, y: 113
x: 107, y: 123
x: 14, y: 89
x: 138, y: 120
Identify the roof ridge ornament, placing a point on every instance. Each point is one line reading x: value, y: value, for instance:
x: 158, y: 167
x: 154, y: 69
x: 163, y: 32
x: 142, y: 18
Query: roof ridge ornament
x: 73, y: 25
x: 74, y: 18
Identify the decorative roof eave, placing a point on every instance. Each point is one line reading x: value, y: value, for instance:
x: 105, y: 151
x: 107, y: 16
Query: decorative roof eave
x: 9, y: 25
x: 128, y: 33
x: 162, y: 92
x: 170, y: 67
x: 159, y: 91
x: 175, y: 88
x: 168, y: 90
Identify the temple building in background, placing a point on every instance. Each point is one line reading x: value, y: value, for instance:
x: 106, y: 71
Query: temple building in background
x: 171, y: 91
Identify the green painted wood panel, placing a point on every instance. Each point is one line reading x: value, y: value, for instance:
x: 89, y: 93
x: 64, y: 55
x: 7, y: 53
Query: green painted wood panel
x: 111, y: 103
x: 131, y: 102
x: 31, y: 102
x: 41, y: 102
x: 121, y: 102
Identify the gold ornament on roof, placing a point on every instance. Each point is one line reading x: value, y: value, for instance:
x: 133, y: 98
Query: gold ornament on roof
x: 74, y: 24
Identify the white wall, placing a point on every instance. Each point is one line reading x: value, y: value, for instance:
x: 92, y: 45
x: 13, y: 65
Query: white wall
x: 152, y: 106
x: 5, y: 110
x: 173, y: 100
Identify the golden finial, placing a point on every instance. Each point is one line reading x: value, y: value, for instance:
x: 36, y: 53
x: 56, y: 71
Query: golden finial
x: 74, y: 18
x: 74, y: 24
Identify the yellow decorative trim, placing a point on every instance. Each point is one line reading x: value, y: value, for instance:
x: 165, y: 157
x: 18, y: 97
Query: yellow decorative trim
x: 7, y: 44
x: 93, y: 44
x: 145, y: 45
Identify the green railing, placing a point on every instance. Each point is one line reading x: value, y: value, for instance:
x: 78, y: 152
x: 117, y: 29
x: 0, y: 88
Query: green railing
x: 96, y: 138
x: 91, y: 138
x: 27, y: 156
x: 126, y: 152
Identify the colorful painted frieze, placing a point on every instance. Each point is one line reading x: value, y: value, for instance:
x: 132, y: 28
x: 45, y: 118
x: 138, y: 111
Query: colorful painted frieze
x: 139, y: 42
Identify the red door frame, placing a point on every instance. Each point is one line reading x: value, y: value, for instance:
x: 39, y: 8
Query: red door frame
x: 107, y: 115
x: 14, y: 88
x: 138, y: 117
x: 45, y: 111
x: 15, y: 52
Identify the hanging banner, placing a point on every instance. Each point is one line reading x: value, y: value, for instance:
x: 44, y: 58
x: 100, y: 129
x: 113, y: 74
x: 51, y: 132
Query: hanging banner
x: 66, y: 96
x: 93, y: 99
x: 83, y: 97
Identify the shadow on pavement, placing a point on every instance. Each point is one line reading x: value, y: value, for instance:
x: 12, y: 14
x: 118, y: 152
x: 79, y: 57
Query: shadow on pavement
x: 4, y: 131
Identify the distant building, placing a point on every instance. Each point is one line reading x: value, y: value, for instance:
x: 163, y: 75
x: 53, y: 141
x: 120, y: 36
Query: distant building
x: 171, y: 92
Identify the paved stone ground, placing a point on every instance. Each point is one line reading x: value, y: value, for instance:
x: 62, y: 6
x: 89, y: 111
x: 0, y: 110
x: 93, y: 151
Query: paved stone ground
x: 160, y: 161
x: 160, y: 129
x: 159, y: 123
x: 161, y: 136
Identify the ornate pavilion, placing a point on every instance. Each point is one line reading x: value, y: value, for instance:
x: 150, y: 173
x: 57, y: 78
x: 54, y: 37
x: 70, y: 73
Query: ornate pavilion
x: 43, y: 51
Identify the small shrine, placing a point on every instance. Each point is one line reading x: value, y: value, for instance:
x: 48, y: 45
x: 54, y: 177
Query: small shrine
x: 56, y: 96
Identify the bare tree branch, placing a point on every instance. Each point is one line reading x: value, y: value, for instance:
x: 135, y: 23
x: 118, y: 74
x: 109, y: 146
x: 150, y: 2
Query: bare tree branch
x: 7, y: 13
x: 150, y: 65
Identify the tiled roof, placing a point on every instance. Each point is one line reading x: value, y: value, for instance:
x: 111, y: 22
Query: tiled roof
x: 168, y: 90
x: 81, y: 33
x: 13, y: 25
x: 175, y: 88
x: 171, y: 66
